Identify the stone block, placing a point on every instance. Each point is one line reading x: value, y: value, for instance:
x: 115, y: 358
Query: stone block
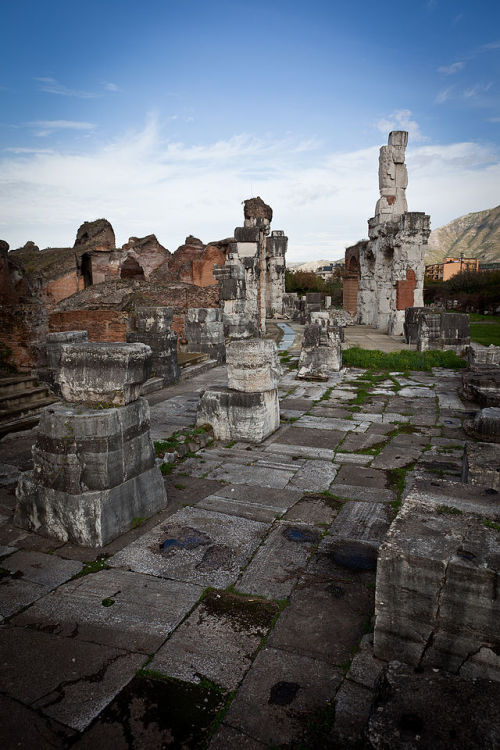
x: 481, y: 464
x: 153, y: 319
x: 413, y: 316
x: 485, y: 355
x: 91, y: 519
x: 236, y: 415
x: 482, y: 385
x: 50, y: 355
x: 164, y: 361
x: 321, y: 352
x: 97, y: 373
x: 485, y: 425
x: 436, y: 581
x: 252, y: 365
x: 79, y: 449
x: 204, y: 331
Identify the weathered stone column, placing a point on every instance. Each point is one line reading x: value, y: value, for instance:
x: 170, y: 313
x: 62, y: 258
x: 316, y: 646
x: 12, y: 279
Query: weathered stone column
x: 204, y: 331
x: 152, y: 326
x: 248, y: 409
x: 94, y: 462
x: 50, y: 355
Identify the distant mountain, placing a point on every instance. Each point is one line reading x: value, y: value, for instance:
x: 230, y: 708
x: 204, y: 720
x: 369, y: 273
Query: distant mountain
x: 311, y: 265
x: 475, y: 235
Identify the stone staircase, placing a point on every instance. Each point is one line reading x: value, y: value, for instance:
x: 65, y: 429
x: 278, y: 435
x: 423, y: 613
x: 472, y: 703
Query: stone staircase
x: 21, y: 400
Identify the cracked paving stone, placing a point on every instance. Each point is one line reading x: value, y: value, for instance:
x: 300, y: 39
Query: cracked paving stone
x: 305, y: 437
x: 68, y: 680
x: 47, y: 570
x: 325, y: 618
x: 21, y: 727
x: 314, y: 476
x: 115, y: 608
x: 279, y: 694
x: 315, y: 510
x: 194, y: 651
x: 361, y: 476
x: 280, y: 561
x: 253, y: 474
x: 196, y: 546
x: 256, y: 503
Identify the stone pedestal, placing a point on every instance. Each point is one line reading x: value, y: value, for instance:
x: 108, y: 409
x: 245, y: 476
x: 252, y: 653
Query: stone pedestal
x: 249, y: 408
x: 436, y: 603
x: 152, y: 326
x: 482, y: 385
x: 321, y: 352
x: 204, y: 331
x: 235, y: 415
x: 94, y: 467
x: 440, y: 330
x: 485, y: 425
x: 50, y: 355
x: 481, y: 464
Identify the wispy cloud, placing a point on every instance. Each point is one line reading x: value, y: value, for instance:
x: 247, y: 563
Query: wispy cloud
x: 491, y: 45
x: 144, y: 183
x: 449, y: 70
x: 22, y: 150
x: 401, y: 119
x: 110, y: 86
x: 51, y: 86
x: 47, y: 127
x: 443, y: 95
x: 477, y: 90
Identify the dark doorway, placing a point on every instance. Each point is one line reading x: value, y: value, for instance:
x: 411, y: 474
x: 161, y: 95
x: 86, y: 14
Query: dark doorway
x: 87, y: 269
x: 131, y: 269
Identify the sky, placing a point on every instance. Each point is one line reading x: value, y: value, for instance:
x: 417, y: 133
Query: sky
x: 163, y: 116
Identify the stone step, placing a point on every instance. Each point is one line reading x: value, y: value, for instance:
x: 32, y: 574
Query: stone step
x: 17, y: 384
x: 25, y: 399
x: 197, y: 369
x: 22, y: 417
x: 152, y: 385
x: 188, y: 359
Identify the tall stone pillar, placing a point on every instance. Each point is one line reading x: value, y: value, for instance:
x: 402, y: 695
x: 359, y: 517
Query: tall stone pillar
x: 94, y: 461
x: 152, y: 326
x: 392, y: 262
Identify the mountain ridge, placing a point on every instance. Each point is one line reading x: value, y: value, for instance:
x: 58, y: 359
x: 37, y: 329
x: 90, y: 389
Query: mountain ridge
x: 477, y: 235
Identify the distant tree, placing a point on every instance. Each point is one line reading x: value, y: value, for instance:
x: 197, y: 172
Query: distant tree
x: 302, y: 282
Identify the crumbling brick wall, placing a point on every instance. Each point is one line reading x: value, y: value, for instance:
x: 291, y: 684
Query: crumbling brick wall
x: 102, y: 325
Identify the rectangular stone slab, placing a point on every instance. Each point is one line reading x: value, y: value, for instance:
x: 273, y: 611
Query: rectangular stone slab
x: 196, y: 546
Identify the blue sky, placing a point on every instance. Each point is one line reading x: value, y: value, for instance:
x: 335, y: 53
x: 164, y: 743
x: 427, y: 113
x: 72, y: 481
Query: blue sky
x: 164, y: 116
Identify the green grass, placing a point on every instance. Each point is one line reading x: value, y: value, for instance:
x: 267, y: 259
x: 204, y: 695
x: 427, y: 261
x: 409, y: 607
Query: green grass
x: 93, y: 566
x: 477, y: 318
x: 492, y: 525
x: 374, y: 359
x: 448, y: 510
x: 486, y: 333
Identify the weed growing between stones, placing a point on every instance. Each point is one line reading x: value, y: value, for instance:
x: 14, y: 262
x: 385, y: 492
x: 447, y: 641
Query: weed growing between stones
x: 166, y: 469
x: 397, y: 482
x: 93, y: 566
x: 374, y: 359
x: 138, y: 521
x: 492, y: 525
x: 448, y: 510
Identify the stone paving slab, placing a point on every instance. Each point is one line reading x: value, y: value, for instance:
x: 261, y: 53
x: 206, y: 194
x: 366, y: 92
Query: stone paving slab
x: 279, y: 561
x: 47, y: 570
x: 306, y: 437
x: 363, y: 494
x: 278, y: 695
x: 314, y: 510
x: 314, y: 476
x: 228, y: 738
x: 16, y: 594
x: 325, y: 618
x: 361, y: 476
x: 22, y: 727
x: 256, y: 475
x: 115, y: 608
x: 231, y: 506
x: 357, y: 533
x: 353, y: 458
x: 73, y: 680
x: 356, y: 441
x: 199, y: 466
x: 301, y: 451
x: 326, y: 410
x: 417, y: 391
x: 194, y: 545
x: 401, y: 451
x: 324, y: 423
x: 217, y: 641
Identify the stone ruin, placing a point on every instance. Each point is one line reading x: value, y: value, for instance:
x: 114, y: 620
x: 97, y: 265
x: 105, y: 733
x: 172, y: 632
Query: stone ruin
x: 248, y: 409
x: 436, y: 602
x: 94, y: 461
x: 204, y: 331
x: 152, y: 326
x: 390, y: 266
x: 481, y: 383
x: 321, y: 351
x: 430, y: 329
x: 252, y: 281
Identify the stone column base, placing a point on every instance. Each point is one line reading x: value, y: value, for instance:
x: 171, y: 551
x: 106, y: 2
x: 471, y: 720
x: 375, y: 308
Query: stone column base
x: 234, y: 415
x: 91, y: 519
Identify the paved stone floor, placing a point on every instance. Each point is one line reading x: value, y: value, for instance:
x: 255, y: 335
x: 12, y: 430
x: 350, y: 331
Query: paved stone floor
x: 370, y: 338
x: 241, y: 615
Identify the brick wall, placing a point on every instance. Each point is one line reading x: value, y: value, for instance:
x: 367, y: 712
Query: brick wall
x: 350, y: 288
x: 405, y: 290
x: 63, y: 287
x: 102, y: 325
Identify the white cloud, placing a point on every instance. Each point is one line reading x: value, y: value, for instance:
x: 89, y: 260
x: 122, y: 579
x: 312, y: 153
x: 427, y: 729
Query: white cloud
x: 443, y: 95
x: 51, y: 86
x: 110, y: 86
x: 61, y: 125
x: 22, y: 150
x: 401, y: 119
x: 477, y: 89
x: 143, y: 183
x: 449, y: 70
